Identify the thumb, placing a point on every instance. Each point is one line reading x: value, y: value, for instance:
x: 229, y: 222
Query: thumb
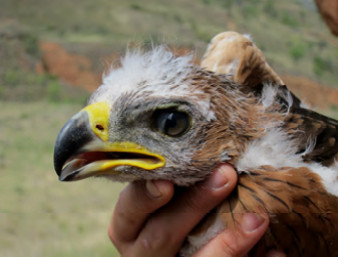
x: 239, y: 240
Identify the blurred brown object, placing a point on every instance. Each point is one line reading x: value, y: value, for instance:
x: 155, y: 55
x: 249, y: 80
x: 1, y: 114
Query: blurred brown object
x: 329, y: 12
x: 71, y: 68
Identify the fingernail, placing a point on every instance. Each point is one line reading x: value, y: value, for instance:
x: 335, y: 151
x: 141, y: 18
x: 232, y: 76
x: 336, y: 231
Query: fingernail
x: 218, y: 178
x: 251, y: 222
x: 152, y: 189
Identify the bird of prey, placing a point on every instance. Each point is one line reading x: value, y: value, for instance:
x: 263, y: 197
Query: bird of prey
x: 159, y: 116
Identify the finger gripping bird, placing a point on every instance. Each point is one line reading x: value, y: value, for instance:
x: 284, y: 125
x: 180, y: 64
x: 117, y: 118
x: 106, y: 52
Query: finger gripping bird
x: 159, y: 116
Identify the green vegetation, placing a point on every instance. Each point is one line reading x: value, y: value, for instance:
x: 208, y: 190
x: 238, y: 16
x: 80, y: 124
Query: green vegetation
x: 289, y: 20
x: 97, y: 28
x: 27, y: 86
x: 30, y: 42
x: 321, y: 65
x: 297, y: 50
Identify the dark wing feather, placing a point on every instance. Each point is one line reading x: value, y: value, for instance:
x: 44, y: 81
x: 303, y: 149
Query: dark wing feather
x: 315, y: 133
x: 317, y: 130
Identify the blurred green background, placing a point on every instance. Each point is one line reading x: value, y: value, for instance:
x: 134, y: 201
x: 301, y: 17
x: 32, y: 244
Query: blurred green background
x: 52, y: 54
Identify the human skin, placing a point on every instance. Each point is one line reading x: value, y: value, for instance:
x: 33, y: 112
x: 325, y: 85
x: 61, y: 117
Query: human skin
x: 159, y: 221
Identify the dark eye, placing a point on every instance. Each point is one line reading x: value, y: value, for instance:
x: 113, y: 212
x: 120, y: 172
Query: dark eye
x: 171, y: 122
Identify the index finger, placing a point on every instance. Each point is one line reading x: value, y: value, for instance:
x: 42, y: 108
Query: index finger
x: 136, y: 202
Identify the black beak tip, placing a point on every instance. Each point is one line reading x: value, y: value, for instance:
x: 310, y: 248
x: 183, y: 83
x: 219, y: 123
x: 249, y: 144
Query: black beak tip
x: 57, y: 164
x: 59, y: 158
x: 73, y: 136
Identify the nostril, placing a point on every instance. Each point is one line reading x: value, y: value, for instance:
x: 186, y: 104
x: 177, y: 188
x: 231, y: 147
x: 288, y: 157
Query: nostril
x: 99, y: 127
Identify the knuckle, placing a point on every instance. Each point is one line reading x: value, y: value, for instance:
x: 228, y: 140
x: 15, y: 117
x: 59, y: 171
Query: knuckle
x: 119, y: 244
x: 136, y: 190
x: 230, y: 247
x: 111, y: 235
x: 152, y: 242
x: 160, y: 240
x: 113, y: 238
x: 127, y: 192
x: 126, y: 206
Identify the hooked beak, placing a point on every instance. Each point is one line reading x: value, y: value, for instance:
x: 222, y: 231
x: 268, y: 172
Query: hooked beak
x: 83, y: 149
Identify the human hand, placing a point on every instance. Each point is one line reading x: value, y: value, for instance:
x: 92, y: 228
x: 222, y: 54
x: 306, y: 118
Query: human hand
x: 149, y: 221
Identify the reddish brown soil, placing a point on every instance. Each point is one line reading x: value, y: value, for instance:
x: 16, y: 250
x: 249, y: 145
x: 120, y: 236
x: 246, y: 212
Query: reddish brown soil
x: 313, y: 93
x: 73, y: 69
x: 77, y: 70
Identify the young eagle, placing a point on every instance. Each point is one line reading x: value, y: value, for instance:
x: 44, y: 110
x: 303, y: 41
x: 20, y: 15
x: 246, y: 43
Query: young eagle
x: 159, y: 116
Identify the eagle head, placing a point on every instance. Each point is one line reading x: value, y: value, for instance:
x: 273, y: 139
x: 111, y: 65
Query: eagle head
x: 157, y: 117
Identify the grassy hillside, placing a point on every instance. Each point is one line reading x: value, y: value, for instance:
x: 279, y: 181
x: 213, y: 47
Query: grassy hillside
x: 291, y: 33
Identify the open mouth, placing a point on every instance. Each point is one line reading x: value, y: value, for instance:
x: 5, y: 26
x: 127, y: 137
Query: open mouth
x: 95, y: 163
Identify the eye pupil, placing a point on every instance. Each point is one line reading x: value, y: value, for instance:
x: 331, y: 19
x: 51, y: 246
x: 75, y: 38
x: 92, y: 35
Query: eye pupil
x: 171, y: 122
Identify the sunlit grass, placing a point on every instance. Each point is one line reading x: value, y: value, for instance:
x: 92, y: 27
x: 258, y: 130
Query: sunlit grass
x: 40, y: 216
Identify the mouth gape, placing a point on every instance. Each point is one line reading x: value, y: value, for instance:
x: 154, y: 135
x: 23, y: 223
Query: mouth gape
x: 95, y: 163
x: 86, y: 158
